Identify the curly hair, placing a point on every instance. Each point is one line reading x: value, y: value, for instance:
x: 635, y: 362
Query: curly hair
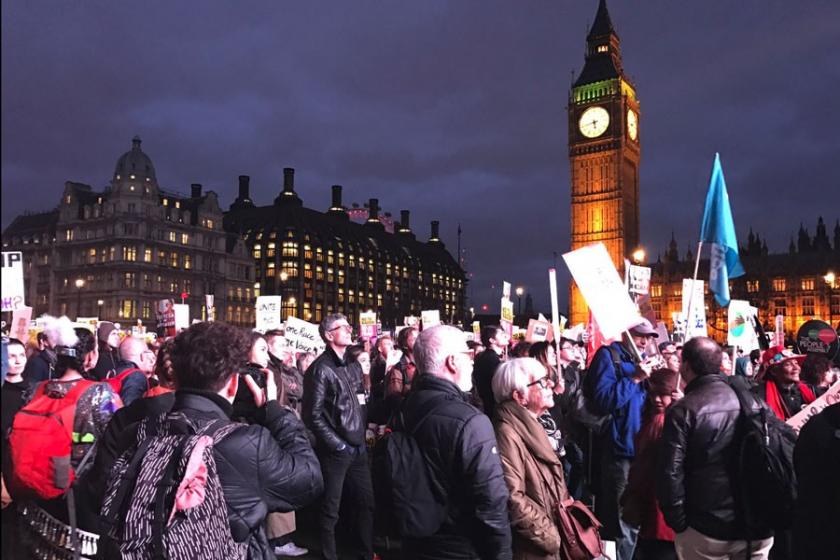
x: 207, y: 354
x: 814, y: 367
x: 163, y: 363
x: 73, y: 356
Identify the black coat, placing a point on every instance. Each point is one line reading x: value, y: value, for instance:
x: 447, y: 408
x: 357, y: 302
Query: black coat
x: 817, y: 461
x: 483, y: 372
x: 461, y: 447
x: 699, y: 444
x: 39, y: 368
x: 263, y: 468
x: 331, y: 407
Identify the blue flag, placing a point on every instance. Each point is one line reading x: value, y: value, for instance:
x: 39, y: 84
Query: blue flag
x: 718, y: 230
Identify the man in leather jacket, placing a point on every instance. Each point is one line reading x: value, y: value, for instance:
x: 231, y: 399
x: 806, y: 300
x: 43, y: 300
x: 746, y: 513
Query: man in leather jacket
x: 694, y: 487
x: 333, y: 412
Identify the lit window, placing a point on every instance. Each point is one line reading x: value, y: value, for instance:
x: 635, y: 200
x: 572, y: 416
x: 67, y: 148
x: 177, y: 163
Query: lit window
x: 171, y: 236
x: 187, y: 262
x: 752, y: 286
x: 69, y: 235
x: 147, y: 255
x: 185, y: 239
x: 257, y: 251
x: 779, y: 284
x: 177, y: 204
x: 271, y: 251
x: 131, y: 177
x: 130, y: 253
x: 209, y: 224
x: 808, y: 284
x: 603, y: 48
x: 808, y: 307
x: 173, y: 259
x: 166, y: 202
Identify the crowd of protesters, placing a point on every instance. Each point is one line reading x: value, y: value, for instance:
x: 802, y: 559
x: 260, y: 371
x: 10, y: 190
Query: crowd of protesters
x: 212, y: 444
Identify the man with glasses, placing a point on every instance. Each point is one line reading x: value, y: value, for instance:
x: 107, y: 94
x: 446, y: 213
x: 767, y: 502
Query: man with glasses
x: 333, y: 412
x: 459, y: 444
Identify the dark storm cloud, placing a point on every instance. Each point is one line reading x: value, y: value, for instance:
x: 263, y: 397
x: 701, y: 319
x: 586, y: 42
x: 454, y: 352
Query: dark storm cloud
x: 454, y: 110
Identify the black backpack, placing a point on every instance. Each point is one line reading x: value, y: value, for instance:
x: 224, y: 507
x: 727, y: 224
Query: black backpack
x: 763, y: 463
x: 413, y: 501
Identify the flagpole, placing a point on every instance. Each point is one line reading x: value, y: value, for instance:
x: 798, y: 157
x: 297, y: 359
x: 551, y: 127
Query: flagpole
x: 687, y: 317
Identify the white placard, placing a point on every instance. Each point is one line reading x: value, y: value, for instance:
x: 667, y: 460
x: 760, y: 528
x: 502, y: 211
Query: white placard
x: 268, y: 313
x: 19, y: 328
x: 741, y: 332
x: 430, y: 318
x: 696, y: 324
x: 303, y: 336
x: 639, y: 279
x: 182, y: 316
x: 506, y: 290
x: 555, y: 308
x: 367, y: 324
x: 12, y: 281
x: 830, y: 397
x: 603, y: 289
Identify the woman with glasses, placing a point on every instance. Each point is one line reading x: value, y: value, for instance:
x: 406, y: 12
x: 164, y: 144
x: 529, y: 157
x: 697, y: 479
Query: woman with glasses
x: 533, y: 471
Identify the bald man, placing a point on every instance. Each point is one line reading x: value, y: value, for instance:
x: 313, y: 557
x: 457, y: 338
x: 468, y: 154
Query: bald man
x: 133, y: 370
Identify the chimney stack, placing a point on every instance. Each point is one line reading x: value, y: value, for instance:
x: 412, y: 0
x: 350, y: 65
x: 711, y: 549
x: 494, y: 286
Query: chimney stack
x: 336, y: 197
x: 404, y: 227
x: 288, y: 180
x: 244, y: 187
x: 196, y: 190
x: 435, y: 231
x: 373, y: 210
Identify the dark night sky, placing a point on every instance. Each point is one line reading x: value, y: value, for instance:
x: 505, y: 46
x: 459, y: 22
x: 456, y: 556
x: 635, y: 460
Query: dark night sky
x: 454, y: 110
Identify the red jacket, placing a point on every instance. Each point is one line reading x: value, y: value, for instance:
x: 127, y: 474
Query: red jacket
x: 639, y: 500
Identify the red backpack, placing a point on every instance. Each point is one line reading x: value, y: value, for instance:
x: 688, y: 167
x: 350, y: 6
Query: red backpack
x: 116, y: 382
x: 40, y: 443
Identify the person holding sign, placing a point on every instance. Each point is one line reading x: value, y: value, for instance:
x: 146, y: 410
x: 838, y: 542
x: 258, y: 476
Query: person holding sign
x: 333, y: 412
x: 614, y: 386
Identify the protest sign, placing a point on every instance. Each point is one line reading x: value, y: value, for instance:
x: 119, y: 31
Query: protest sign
x: 602, y: 288
x: 165, y: 313
x: 92, y: 321
x: 639, y: 279
x: 507, y: 310
x: 367, y: 324
x: 268, y: 313
x: 555, y: 309
x: 646, y: 309
x: 779, y: 334
x: 696, y: 324
x: 817, y: 337
x: 741, y: 332
x: 12, y: 290
x: 19, y: 328
x: 430, y: 318
x: 182, y: 316
x: 506, y: 290
x: 209, y: 310
x: 830, y: 397
x: 476, y: 327
x: 303, y: 336
x: 662, y: 331
x: 537, y: 331
x: 412, y: 321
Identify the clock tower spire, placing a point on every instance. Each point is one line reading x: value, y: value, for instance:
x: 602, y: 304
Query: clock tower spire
x: 604, y: 152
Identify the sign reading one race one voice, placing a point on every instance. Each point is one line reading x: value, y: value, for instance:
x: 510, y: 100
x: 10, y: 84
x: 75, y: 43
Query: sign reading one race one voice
x: 303, y: 336
x: 603, y: 289
x: 12, y: 281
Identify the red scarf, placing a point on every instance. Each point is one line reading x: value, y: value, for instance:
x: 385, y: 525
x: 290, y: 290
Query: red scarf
x: 777, y: 403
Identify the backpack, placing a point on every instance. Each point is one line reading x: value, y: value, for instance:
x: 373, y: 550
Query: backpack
x: 764, y: 467
x: 164, y: 498
x: 41, y: 442
x: 116, y: 380
x: 404, y: 488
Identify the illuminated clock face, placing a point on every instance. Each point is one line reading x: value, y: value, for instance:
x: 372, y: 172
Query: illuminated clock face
x: 594, y: 122
x: 632, y: 124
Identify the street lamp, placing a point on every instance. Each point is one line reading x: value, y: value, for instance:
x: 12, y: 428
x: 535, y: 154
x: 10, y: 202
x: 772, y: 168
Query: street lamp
x: 284, y: 275
x: 639, y: 256
x: 80, y: 283
x: 519, y: 291
x: 99, y: 304
x: 829, y: 281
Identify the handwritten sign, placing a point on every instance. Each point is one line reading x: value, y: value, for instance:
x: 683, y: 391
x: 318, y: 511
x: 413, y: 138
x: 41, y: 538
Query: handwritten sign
x: 268, y: 313
x: 602, y: 288
x: 12, y: 280
x: 696, y: 324
x: 20, y: 323
x: 430, y: 318
x: 639, y: 279
x: 830, y: 397
x: 367, y: 324
x: 537, y: 331
x: 303, y: 336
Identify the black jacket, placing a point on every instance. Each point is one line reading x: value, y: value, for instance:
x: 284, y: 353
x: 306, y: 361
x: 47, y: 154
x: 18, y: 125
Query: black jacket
x: 483, y: 371
x: 331, y: 408
x: 39, y: 367
x: 263, y: 469
x: 460, y: 444
x: 107, y: 364
x: 699, y: 443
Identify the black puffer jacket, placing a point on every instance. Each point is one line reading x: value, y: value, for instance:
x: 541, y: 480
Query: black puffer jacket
x: 699, y: 443
x: 331, y: 408
x: 461, y: 446
x: 263, y: 469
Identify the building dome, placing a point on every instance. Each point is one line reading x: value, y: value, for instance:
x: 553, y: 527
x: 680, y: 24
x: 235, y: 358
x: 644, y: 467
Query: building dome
x: 135, y: 165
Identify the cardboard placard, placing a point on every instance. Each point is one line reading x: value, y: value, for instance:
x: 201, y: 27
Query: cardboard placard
x: 303, y: 336
x: 11, y: 280
x: 430, y: 318
x: 476, y: 328
x: 182, y: 316
x: 638, y: 279
x: 507, y: 310
x: 268, y: 313
x: 506, y: 290
x: 741, y: 332
x: 662, y: 331
x: 19, y: 328
x: 367, y: 324
x: 830, y: 397
x: 538, y: 331
x: 696, y: 324
x: 602, y: 288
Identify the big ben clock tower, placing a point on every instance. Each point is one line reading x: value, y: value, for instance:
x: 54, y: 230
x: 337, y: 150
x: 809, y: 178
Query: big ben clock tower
x: 604, y: 153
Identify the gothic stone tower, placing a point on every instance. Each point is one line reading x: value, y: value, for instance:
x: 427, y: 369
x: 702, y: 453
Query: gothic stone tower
x: 604, y: 153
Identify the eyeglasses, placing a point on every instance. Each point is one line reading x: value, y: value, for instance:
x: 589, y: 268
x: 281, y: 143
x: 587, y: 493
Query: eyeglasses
x: 545, y: 382
x: 566, y: 347
x: 348, y: 327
